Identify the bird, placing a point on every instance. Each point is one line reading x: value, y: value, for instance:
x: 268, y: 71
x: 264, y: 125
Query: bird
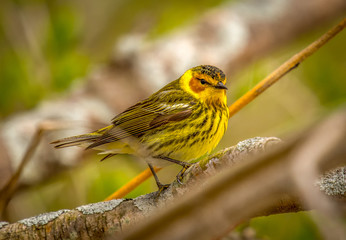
x: 183, y: 121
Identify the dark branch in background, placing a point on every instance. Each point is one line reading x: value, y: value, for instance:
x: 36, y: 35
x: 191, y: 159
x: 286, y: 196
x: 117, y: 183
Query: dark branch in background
x: 254, y: 178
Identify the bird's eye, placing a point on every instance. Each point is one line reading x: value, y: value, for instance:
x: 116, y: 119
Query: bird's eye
x: 203, y: 81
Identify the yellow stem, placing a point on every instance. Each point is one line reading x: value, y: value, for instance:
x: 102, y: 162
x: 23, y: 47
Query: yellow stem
x: 132, y: 184
x: 292, y: 63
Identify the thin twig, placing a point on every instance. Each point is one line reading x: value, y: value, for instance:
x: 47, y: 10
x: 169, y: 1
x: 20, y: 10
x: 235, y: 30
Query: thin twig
x: 10, y: 187
x: 286, y: 67
x: 8, y: 190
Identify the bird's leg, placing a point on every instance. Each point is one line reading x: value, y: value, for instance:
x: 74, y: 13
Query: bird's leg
x: 185, y: 166
x: 158, y: 183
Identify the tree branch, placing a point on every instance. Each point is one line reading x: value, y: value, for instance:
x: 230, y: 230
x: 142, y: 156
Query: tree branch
x: 249, y: 189
x: 250, y: 179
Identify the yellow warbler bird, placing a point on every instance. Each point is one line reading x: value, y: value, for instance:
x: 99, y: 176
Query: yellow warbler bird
x: 181, y: 122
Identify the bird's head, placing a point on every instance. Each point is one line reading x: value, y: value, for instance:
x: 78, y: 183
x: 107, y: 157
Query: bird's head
x: 206, y: 83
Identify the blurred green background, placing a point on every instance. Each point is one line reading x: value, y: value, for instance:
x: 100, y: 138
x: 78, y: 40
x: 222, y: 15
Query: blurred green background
x: 66, y: 39
x: 47, y: 45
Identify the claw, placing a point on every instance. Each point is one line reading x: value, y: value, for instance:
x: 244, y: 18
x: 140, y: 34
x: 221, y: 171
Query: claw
x: 181, y: 173
x: 162, y: 187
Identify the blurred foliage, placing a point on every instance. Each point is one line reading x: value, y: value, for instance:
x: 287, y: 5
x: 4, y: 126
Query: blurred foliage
x: 46, y: 46
x: 39, y: 52
x: 325, y: 74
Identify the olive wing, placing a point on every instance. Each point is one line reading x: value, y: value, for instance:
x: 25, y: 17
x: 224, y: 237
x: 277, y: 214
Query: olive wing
x: 145, y: 116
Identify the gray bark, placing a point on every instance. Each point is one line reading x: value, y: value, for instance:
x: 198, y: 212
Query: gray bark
x: 254, y: 178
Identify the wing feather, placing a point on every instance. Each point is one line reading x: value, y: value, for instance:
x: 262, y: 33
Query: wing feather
x: 149, y: 114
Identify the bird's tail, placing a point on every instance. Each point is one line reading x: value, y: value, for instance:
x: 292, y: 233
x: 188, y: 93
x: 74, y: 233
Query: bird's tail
x: 80, y: 140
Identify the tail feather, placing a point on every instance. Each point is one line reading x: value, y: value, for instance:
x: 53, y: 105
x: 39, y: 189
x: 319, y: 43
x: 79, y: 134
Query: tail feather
x: 75, y: 141
x: 83, y: 139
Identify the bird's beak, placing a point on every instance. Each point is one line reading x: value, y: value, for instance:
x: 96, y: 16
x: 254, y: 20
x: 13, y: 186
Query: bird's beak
x: 220, y: 85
